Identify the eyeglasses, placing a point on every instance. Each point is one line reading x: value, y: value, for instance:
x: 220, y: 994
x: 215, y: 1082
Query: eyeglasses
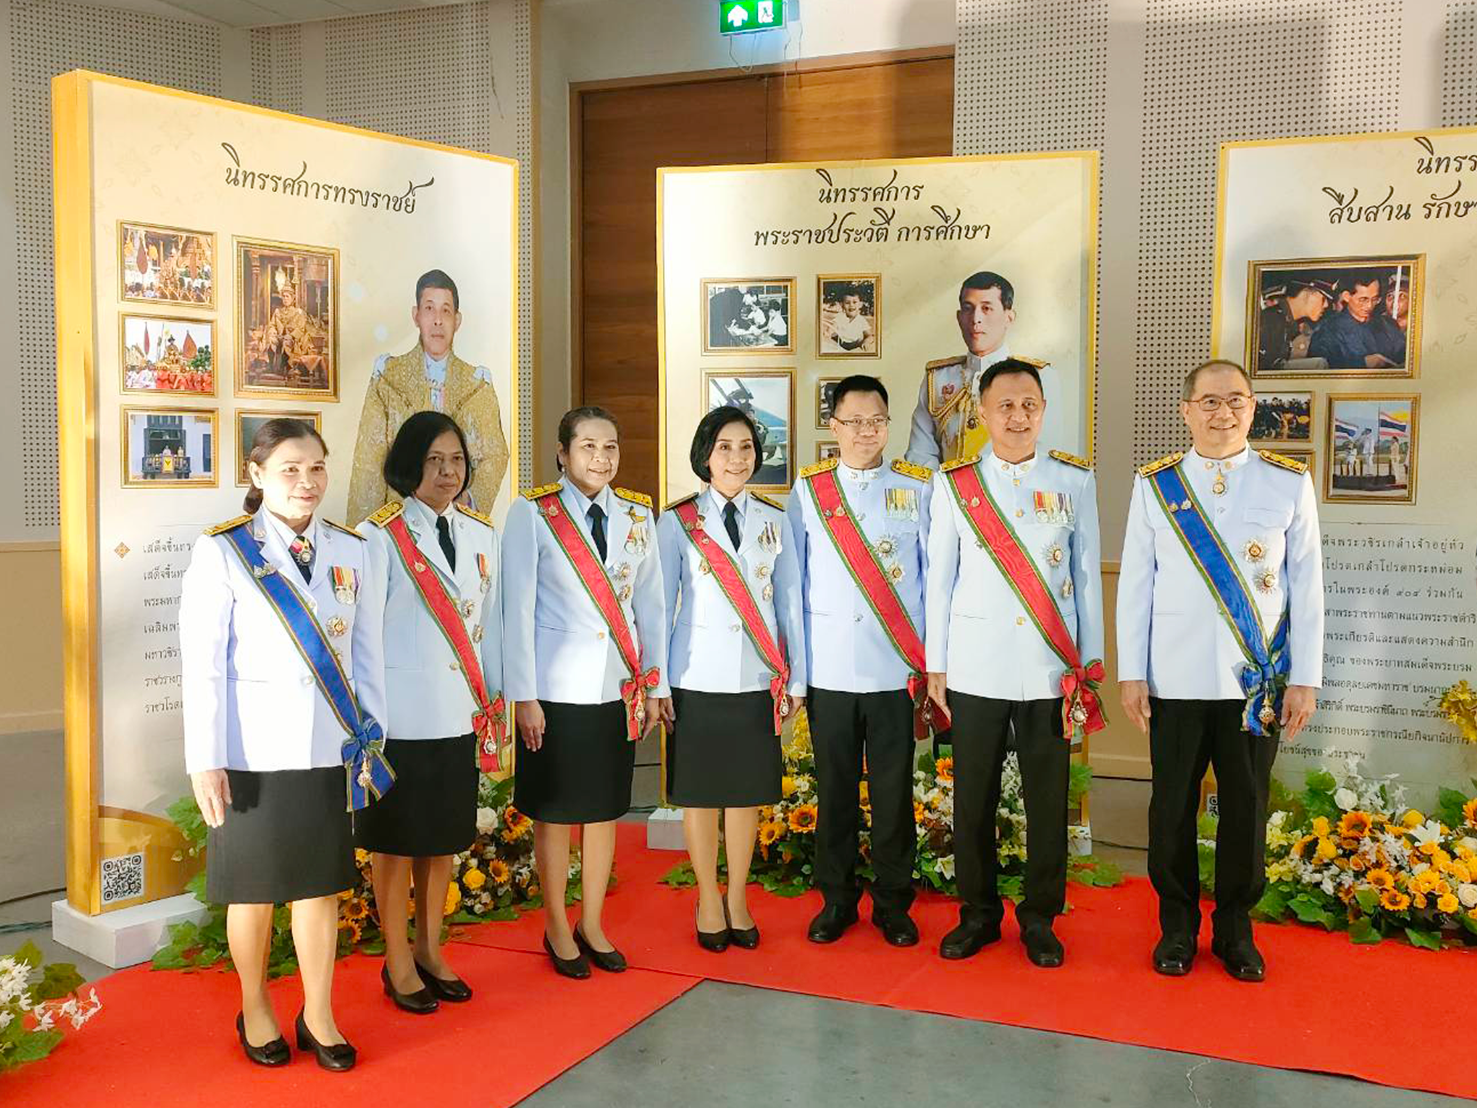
x: 1236, y: 401
x: 876, y: 423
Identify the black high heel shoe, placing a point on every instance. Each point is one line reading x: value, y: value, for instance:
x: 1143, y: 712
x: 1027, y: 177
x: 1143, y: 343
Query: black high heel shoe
x: 453, y: 989
x: 420, y: 1002
x: 274, y: 1053
x: 745, y: 938
x: 337, y: 1057
x: 611, y: 961
x: 576, y: 967
x: 714, y: 941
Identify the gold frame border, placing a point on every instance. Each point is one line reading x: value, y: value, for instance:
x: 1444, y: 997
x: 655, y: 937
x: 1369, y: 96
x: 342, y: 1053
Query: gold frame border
x: 766, y: 371
x: 820, y: 383
x: 820, y: 444
x: 244, y: 391
x: 215, y: 365
x: 215, y: 255
x: 315, y: 418
x: 1291, y: 444
x: 127, y: 482
x: 1331, y: 497
x: 876, y: 279
x: 1411, y: 369
x: 745, y: 351
x: 1307, y: 454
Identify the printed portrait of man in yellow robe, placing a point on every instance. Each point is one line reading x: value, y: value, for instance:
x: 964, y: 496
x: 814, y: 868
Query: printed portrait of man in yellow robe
x: 429, y: 378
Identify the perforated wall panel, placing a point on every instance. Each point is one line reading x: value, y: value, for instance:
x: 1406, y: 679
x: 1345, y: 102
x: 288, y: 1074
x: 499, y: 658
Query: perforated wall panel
x: 277, y: 68
x: 1459, y: 54
x: 527, y: 193
x: 47, y: 39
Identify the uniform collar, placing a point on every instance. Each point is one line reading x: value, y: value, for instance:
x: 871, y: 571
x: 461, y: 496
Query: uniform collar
x: 849, y: 474
x: 421, y: 512
x: 286, y: 533
x: 435, y: 370
x: 1196, y: 460
x: 1013, y: 470
x: 583, y: 502
x: 977, y: 365
x: 717, y: 500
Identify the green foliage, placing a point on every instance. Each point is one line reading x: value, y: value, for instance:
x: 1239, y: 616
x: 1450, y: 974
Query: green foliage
x: 1449, y: 804
x: 1427, y: 940
x: 21, y: 1039
x: 1364, y: 932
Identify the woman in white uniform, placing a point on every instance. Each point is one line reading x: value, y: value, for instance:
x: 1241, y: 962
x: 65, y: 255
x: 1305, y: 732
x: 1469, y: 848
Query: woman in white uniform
x: 737, y: 673
x: 436, y: 564
x: 585, y: 664
x: 268, y: 735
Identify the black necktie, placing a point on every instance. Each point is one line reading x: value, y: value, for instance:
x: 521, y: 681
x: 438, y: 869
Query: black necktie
x: 597, y: 529
x: 443, y: 532
x: 730, y: 521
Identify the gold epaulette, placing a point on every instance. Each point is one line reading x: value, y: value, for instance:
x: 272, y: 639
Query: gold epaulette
x: 1038, y: 363
x: 912, y: 469
x: 1070, y: 459
x: 345, y: 530
x: 679, y: 501
x: 1284, y: 461
x: 773, y: 503
x: 823, y: 466
x: 1163, y: 463
x: 542, y: 490
x: 472, y: 513
x: 386, y: 512
x: 959, y: 463
x: 229, y: 525
x: 945, y: 363
x: 634, y: 497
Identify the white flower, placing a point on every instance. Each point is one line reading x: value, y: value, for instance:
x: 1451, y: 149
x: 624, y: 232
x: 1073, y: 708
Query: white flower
x: 1278, y: 818
x: 1428, y: 832
x: 486, y: 821
x: 1467, y: 894
x: 43, y: 1019
x: 1346, y: 799
x: 946, y: 866
x: 1468, y: 842
x: 5, y: 1018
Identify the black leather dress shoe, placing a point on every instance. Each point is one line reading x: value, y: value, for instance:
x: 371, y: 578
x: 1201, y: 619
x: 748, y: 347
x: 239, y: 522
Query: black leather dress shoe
x: 1043, y: 947
x: 830, y: 923
x: 420, y: 1002
x: 338, y: 1057
x: 453, y: 989
x: 1242, y: 959
x: 969, y: 938
x: 745, y: 938
x: 611, y: 961
x: 274, y: 1053
x: 897, y: 928
x: 575, y: 968
x: 1174, y: 955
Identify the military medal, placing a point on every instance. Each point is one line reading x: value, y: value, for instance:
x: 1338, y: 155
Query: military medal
x: 763, y: 570
x: 896, y: 573
x: 1079, y: 714
x: 625, y: 593
x: 1055, y: 555
x: 974, y: 502
x: 769, y: 538
x: 1267, y: 715
x: 1266, y: 581
x: 1254, y: 550
x: 468, y: 608
x: 485, y: 569
x: 1220, y: 484
x: 624, y: 571
x: 549, y: 509
x: 263, y: 570
x: 1067, y: 589
x: 901, y: 503
x: 704, y: 568
x: 477, y: 633
x: 768, y: 592
x: 345, y: 584
x: 336, y: 626
x: 885, y: 548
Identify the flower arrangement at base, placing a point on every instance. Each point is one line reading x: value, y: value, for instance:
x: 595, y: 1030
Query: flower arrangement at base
x: 493, y: 879
x: 784, y: 862
x: 1349, y: 854
x: 35, y: 999
x: 1458, y: 705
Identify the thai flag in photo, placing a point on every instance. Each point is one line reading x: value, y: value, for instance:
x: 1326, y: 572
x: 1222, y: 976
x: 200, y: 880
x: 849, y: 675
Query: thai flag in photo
x: 1394, y: 425
x: 1343, y: 429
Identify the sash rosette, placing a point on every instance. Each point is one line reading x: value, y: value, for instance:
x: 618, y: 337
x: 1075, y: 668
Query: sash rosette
x: 369, y: 774
x: 1082, y: 704
x: 634, y: 693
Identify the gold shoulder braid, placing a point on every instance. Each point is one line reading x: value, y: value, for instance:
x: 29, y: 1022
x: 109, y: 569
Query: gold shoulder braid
x: 945, y: 363
x: 1071, y: 459
x: 1038, y: 363
x: 912, y: 469
x: 819, y: 467
x: 1282, y: 460
x: 634, y: 497
x: 387, y: 512
x: 229, y: 525
x: 1163, y: 463
x: 960, y: 463
x: 542, y: 490
x: 345, y: 530
x: 472, y: 513
x: 767, y: 500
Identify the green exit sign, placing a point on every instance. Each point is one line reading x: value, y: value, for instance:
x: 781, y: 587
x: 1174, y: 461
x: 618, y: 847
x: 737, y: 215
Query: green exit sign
x: 738, y: 17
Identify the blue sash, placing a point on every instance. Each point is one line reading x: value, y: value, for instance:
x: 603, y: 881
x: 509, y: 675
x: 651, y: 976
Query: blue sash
x: 1264, y: 677
x: 369, y: 774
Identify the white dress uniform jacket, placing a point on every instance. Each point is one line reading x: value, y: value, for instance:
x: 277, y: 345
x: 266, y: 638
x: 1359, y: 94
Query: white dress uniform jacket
x: 558, y: 645
x: 979, y: 633
x: 250, y: 701
x: 427, y: 693
x: 1170, y: 631
x: 846, y: 647
x: 710, y: 651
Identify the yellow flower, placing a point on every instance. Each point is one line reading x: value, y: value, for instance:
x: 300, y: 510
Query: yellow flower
x: 1354, y: 825
x: 1321, y: 828
x: 1419, y: 899
x: 515, y: 825
x: 1380, y: 879
x: 1393, y: 900
x: 919, y: 812
x: 1297, y: 847
x: 1446, y: 903
x: 356, y: 909
x: 787, y: 785
x: 865, y: 794
x: 1327, y: 848
x: 802, y: 819
x: 361, y: 856
x: 944, y: 769
x: 1469, y: 811
x: 1426, y: 881
x: 1413, y: 818
x: 497, y: 869
x: 1461, y: 872
x: 453, y: 898
x: 474, y: 879
x: 769, y: 832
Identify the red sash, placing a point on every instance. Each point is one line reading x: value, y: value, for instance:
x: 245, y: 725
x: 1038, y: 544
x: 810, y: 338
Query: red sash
x: 1081, y: 707
x: 731, y: 581
x: 592, y: 574
x: 877, y: 587
x: 489, y: 721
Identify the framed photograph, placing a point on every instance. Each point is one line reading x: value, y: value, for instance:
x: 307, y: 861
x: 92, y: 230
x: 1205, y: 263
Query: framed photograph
x: 169, y: 448
x: 1309, y: 456
x: 164, y: 354
x: 827, y: 449
x: 247, y: 424
x: 166, y: 265
x: 849, y: 315
x: 768, y: 396
x: 749, y: 315
x: 1371, y: 448
x: 286, y: 320
x: 1335, y: 317
x: 824, y: 388
x: 1283, y: 417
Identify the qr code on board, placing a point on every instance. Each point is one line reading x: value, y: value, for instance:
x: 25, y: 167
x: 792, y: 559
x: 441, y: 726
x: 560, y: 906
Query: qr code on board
x: 123, y: 877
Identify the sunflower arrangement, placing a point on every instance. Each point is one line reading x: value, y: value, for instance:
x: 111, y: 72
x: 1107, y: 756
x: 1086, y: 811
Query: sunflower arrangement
x: 1458, y: 705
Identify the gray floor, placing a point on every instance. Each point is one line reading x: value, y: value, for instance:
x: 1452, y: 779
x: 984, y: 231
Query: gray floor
x: 723, y: 1045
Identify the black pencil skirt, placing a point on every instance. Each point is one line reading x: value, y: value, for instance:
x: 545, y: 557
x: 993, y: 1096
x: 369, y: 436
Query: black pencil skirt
x: 582, y: 772
x: 723, y: 752
x: 286, y: 837
x: 432, y: 809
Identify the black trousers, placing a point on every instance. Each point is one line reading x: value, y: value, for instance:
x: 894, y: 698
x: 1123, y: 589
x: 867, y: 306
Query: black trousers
x: 845, y: 727
x: 982, y: 727
x: 1186, y: 736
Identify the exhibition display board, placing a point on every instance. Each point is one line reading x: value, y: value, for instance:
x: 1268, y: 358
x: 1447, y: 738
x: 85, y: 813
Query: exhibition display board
x: 217, y: 265
x: 776, y: 281
x: 1343, y: 274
